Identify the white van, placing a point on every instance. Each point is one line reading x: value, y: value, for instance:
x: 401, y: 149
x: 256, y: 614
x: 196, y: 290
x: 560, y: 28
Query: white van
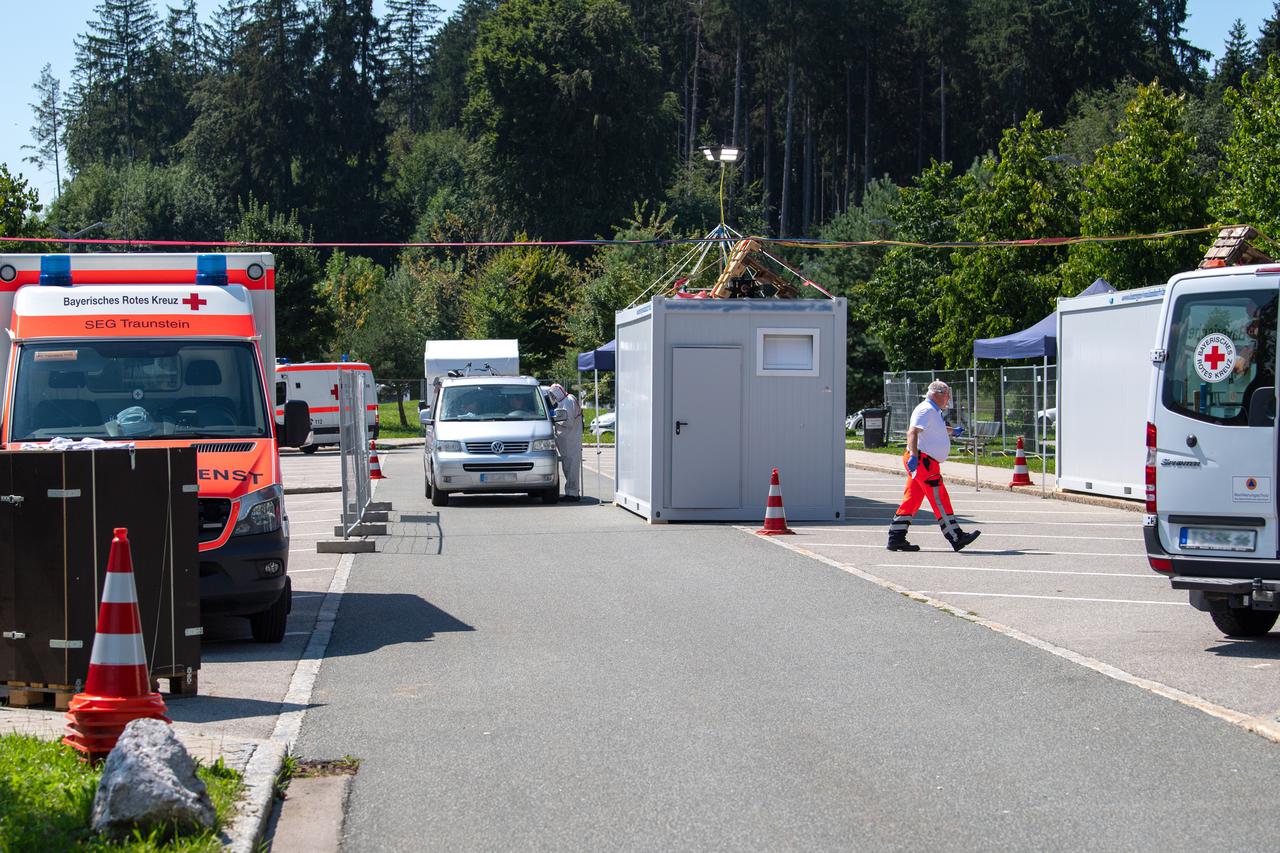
x: 316, y: 383
x: 1211, y: 446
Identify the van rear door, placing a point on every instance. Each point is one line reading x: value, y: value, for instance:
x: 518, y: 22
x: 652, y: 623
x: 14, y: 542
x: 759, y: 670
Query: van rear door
x: 1214, y: 415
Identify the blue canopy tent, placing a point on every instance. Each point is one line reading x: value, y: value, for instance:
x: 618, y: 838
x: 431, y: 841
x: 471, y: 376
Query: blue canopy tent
x: 1037, y: 341
x: 601, y: 358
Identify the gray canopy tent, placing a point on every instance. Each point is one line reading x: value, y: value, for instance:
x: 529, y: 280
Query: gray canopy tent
x: 1037, y: 341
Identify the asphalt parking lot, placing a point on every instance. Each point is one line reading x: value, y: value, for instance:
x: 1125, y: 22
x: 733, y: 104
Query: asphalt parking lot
x: 1070, y: 574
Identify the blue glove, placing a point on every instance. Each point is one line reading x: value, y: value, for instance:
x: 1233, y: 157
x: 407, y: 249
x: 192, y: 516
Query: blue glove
x: 913, y: 462
x: 957, y: 431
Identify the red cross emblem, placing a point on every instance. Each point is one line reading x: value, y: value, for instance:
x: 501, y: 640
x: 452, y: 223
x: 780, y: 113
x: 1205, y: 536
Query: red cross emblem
x: 195, y: 301
x: 334, y: 391
x: 1214, y: 357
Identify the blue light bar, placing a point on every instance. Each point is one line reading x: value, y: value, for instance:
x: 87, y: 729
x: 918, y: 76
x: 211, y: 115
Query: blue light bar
x: 211, y: 269
x: 55, y: 270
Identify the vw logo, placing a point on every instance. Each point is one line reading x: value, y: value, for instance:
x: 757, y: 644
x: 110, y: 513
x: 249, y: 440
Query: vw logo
x: 496, y: 447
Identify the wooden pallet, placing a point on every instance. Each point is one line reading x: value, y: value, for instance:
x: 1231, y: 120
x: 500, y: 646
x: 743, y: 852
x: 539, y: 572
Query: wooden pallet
x: 28, y: 694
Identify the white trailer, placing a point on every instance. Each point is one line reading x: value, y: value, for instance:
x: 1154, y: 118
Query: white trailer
x: 470, y: 358
x: 715, y: 393
x: 1104, y: 372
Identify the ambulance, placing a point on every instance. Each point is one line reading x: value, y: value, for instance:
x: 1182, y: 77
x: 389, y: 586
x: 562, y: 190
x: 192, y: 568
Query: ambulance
x: 316, y: 384
x: 1211, y: 521
x: 164, y: 350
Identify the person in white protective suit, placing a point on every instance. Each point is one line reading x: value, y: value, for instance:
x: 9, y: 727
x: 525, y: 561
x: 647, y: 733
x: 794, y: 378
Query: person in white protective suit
x: 569, y: 440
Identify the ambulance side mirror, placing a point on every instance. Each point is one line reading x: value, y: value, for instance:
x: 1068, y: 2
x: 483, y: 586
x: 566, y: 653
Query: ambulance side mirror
x: 297, y: 423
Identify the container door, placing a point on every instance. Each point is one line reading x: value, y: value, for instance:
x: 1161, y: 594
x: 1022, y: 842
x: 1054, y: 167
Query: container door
x: 1215, y: 454
x: 706, y: 427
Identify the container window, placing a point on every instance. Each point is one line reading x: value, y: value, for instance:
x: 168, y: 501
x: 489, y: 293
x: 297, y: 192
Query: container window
x: 787, y: 352
x: 1221, y: 365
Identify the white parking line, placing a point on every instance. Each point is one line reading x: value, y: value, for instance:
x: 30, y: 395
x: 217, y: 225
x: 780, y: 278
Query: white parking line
x: 1036, y: 553
x: 304, y: 571
x: 1151, y: 575
x: 1053, y: 597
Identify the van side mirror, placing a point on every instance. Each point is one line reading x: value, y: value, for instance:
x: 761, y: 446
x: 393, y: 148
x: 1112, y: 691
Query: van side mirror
x: 423, y: 404
x: 1262, y: 407
x: 297, y: 423
x: 424, y: 416
x: 560, y: 416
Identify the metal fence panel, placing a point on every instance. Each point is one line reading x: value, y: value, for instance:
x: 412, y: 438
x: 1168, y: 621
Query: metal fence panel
x: 353, y: 449
x: 1011, y: 401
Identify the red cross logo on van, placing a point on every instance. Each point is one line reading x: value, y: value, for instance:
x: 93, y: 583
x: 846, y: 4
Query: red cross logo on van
x: 195, y: 301
x: 1213, y: 358
x: 334, y: 390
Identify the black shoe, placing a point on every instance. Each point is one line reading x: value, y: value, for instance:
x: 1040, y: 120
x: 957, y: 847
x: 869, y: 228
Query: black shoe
x: 964, y: 539
x: 898, y: 542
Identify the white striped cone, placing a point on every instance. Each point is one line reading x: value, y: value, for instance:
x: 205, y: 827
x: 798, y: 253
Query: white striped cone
x: 1021, y: 477
x: 118, y: 687
x: 775, y: 517
x: 375, y: 467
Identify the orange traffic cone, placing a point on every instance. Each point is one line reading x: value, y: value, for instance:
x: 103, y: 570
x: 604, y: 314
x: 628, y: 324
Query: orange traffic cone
x: 375, y: 467
x: 775, y: 517
x: 1020, y: 475
x: 118, y: 689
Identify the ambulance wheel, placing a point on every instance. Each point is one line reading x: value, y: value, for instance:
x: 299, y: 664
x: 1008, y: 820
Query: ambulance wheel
x: 309, y: 448
x: 439, y: 498
x: 268, y: 626
x: 1244, y: 623
x: 550, y: 496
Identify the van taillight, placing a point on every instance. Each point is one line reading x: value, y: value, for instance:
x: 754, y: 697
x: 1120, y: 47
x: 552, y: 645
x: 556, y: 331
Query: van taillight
x: 1151, y: 471
x: 1161, y: 564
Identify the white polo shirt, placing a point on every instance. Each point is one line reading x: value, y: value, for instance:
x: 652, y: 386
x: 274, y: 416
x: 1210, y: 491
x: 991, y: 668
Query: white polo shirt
x: 935, y: 440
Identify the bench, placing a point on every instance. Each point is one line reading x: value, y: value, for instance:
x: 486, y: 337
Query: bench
x: 981, y: 434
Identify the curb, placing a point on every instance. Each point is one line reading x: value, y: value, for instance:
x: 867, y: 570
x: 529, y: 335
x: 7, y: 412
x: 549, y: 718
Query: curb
x: 310, y: 490
x: 244, y: 833
x: 1057, y: 494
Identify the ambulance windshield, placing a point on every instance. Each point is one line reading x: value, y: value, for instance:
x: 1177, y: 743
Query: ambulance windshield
x: 138, y: 391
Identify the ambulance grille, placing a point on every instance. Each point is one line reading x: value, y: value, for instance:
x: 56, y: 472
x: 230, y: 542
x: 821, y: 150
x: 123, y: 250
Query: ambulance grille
x: 229, y: 447
x: 214, y: 513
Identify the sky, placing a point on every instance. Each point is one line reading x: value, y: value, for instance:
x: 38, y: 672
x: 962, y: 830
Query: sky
x: 37, y: 33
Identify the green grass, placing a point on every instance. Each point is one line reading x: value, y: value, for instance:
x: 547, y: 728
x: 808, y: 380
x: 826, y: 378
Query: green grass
x: 46, y: 801
x: 390, y: 419
x: 1034, y: 465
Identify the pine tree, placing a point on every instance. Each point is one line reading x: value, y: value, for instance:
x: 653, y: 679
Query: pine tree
x: 49, y: 129
x: 1268, y: 38
x: 1237, y: 58
x: 225, y: 33
x: 114, y: 60
x: 409, y: 25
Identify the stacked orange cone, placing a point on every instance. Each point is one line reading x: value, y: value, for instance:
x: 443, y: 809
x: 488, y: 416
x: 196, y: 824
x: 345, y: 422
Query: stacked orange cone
x: 118, y: 689
x: 375, y: 467
x: 775, y: 517
x: 1020, y: 475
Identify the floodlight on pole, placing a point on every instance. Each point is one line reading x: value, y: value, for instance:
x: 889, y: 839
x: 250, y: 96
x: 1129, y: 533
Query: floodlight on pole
x: 721, y: 154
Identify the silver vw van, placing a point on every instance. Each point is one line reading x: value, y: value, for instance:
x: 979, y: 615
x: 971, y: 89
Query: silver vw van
x: 489, y: 434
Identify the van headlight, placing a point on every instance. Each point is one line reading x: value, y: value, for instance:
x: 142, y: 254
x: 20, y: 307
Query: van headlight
x: 260, y: 512
x: 544, y: 444
x: 449, y: 446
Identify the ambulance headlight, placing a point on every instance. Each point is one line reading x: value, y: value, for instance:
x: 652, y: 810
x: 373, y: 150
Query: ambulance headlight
x: 260, y: 512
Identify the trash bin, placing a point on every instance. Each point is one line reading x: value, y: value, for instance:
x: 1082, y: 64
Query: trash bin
x: 875, y: 427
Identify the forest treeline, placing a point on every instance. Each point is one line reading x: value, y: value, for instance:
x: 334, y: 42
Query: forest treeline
x: 919, y: 120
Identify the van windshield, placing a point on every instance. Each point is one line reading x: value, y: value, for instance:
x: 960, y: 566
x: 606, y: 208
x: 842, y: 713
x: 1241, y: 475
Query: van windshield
x: 138, y: 390
x: 491, y: 403
x: 1222, y: 353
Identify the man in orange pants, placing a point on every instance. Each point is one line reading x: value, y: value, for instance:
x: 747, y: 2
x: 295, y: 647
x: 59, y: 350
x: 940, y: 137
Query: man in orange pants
x: 928, y: 444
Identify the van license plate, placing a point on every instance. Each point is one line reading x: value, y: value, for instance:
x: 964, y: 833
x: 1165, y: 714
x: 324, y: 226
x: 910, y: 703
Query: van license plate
x: 1217, y: 539
x: 504, y: 477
